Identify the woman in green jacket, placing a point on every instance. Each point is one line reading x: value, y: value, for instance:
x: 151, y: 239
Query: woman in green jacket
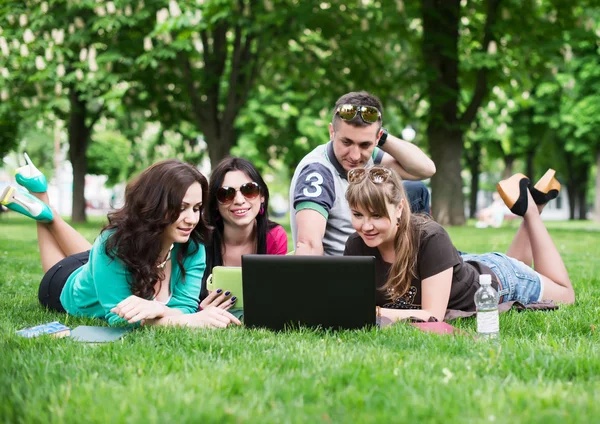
x: 147, y: 264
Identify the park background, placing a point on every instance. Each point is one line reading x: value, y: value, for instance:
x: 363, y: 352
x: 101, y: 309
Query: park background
x: 487, y: 88
x: 95, y: 91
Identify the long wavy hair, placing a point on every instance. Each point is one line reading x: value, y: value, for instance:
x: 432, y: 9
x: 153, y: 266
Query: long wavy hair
x: 152, y: 203
x: 263, y: 224
x: 375, y: 198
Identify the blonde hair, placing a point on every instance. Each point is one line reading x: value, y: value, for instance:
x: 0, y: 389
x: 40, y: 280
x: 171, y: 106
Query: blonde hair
x: 374, y: 197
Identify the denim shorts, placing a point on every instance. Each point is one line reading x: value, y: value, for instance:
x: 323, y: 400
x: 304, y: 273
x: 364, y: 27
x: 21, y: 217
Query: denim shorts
x: 517, y: 281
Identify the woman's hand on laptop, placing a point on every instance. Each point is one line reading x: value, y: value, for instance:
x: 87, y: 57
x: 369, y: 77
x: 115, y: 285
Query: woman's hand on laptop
x: 212, y: 316
x: 219, y: 299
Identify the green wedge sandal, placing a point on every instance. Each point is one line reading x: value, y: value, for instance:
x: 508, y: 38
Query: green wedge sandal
x: 30, y: 177
x: 25, y: 204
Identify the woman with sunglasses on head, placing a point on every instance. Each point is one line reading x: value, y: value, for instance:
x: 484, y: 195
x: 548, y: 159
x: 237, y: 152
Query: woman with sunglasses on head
x: 147, y: 264
x: 419, y: 271
x: 237, y: 210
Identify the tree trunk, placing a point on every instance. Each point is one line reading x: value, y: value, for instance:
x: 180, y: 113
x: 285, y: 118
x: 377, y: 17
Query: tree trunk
x: 218, y: 149
x: 572, y: 189
x: 446, y: 128
x: 474, y: 168
x: 78, y: 143
x: 509, y: 162
x: 219, y: 143
x: 448, y: 204
x: 216, y: 111
x: 582, y: 192
x: 440, y: 52
x: 597, y: 188
x: 582, y: 207
x: 473, y: 195
x: 529, y: 167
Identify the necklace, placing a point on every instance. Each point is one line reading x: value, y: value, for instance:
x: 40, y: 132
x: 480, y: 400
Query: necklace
x: 162, y: 265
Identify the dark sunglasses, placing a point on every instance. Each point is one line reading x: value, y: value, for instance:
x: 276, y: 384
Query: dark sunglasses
x: 249, y: 190
x: 368, y: 114
x: 376, y: 175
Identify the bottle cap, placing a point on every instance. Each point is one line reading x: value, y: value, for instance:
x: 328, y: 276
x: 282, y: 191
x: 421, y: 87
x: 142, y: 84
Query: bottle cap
x: 485, y: 279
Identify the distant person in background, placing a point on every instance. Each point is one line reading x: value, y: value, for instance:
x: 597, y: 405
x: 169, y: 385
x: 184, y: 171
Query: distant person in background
x: 237, y: 209
x: 147, y: 264
x: 319, y: 213
x: 493, y: 215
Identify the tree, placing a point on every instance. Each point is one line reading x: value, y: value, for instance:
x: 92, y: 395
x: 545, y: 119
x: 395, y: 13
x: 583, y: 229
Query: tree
x: 446, y: 126
x: 64, y: 60
x: 109, y: 154
x: 567, y: 104
x: 581, y: 108
x: 346, y: 46
x: 207, y: 58
x: 466, y: 51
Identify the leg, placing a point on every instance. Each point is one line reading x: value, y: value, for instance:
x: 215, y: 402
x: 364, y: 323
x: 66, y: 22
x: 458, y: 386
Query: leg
x: 50, y: 251
x: 418, y: 196
x: 57, y: 239
x: 547, y: 259
x: 69, y: 239
x: 520, y: 247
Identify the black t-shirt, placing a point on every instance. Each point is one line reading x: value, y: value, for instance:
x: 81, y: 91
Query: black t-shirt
x: 436, y: 254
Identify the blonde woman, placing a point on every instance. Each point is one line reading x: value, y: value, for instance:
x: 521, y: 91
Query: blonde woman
x: 419, y: 271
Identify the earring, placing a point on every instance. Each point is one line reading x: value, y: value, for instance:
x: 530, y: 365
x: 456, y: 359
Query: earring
x: 262, y: 209
x: 398, y: 222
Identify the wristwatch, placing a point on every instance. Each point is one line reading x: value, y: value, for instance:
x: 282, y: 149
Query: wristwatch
x: 383, y: 137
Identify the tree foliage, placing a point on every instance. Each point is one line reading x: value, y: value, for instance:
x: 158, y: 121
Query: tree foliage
x: 187, y: 78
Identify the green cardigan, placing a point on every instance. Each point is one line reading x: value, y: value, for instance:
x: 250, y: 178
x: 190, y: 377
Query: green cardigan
x: 98, y: 286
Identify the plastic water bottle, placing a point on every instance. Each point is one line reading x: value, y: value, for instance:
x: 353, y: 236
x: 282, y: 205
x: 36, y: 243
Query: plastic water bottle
x: 486, y: 302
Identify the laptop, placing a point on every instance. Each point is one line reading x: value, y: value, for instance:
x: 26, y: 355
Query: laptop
x: 329, y: 292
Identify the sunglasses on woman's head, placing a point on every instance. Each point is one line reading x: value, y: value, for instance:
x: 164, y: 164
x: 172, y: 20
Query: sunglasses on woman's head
x: 369, y: 114
x: 226, y: 194
x: 376, y: 175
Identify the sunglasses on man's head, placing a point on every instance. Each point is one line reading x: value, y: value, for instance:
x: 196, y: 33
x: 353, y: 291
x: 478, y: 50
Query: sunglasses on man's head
x: 369, y: 114
x: 376, y: 175
x: 226, y: 194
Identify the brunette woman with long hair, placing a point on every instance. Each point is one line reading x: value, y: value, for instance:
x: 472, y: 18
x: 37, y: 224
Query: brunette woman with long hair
x: 148, y: 263
x: 237, y: 209
x: 419, y: 269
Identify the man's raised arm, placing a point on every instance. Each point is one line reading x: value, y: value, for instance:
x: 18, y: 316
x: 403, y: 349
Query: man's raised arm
x: 410, y: 162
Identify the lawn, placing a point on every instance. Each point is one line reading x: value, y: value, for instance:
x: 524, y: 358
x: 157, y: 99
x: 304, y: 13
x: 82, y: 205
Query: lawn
x: 545, y: 368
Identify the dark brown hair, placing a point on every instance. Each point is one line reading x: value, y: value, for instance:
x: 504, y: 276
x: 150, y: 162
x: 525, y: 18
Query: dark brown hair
x: 152, y: 203
x: 263, y: 224
x: 358, y: 98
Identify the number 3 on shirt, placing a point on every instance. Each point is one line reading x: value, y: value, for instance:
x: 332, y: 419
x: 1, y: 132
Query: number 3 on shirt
x: 315, y: 179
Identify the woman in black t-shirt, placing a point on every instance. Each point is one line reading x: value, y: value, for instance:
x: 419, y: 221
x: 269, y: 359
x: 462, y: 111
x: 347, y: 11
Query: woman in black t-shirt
x: 418, y: 268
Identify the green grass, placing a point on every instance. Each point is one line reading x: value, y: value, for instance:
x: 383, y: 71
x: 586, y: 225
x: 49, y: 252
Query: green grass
x: 544, y: 369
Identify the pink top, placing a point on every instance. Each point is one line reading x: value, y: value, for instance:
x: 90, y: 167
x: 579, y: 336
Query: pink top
x: 277, y: 241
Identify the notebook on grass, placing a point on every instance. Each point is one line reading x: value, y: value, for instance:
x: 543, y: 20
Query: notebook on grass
x: 92, y: 334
